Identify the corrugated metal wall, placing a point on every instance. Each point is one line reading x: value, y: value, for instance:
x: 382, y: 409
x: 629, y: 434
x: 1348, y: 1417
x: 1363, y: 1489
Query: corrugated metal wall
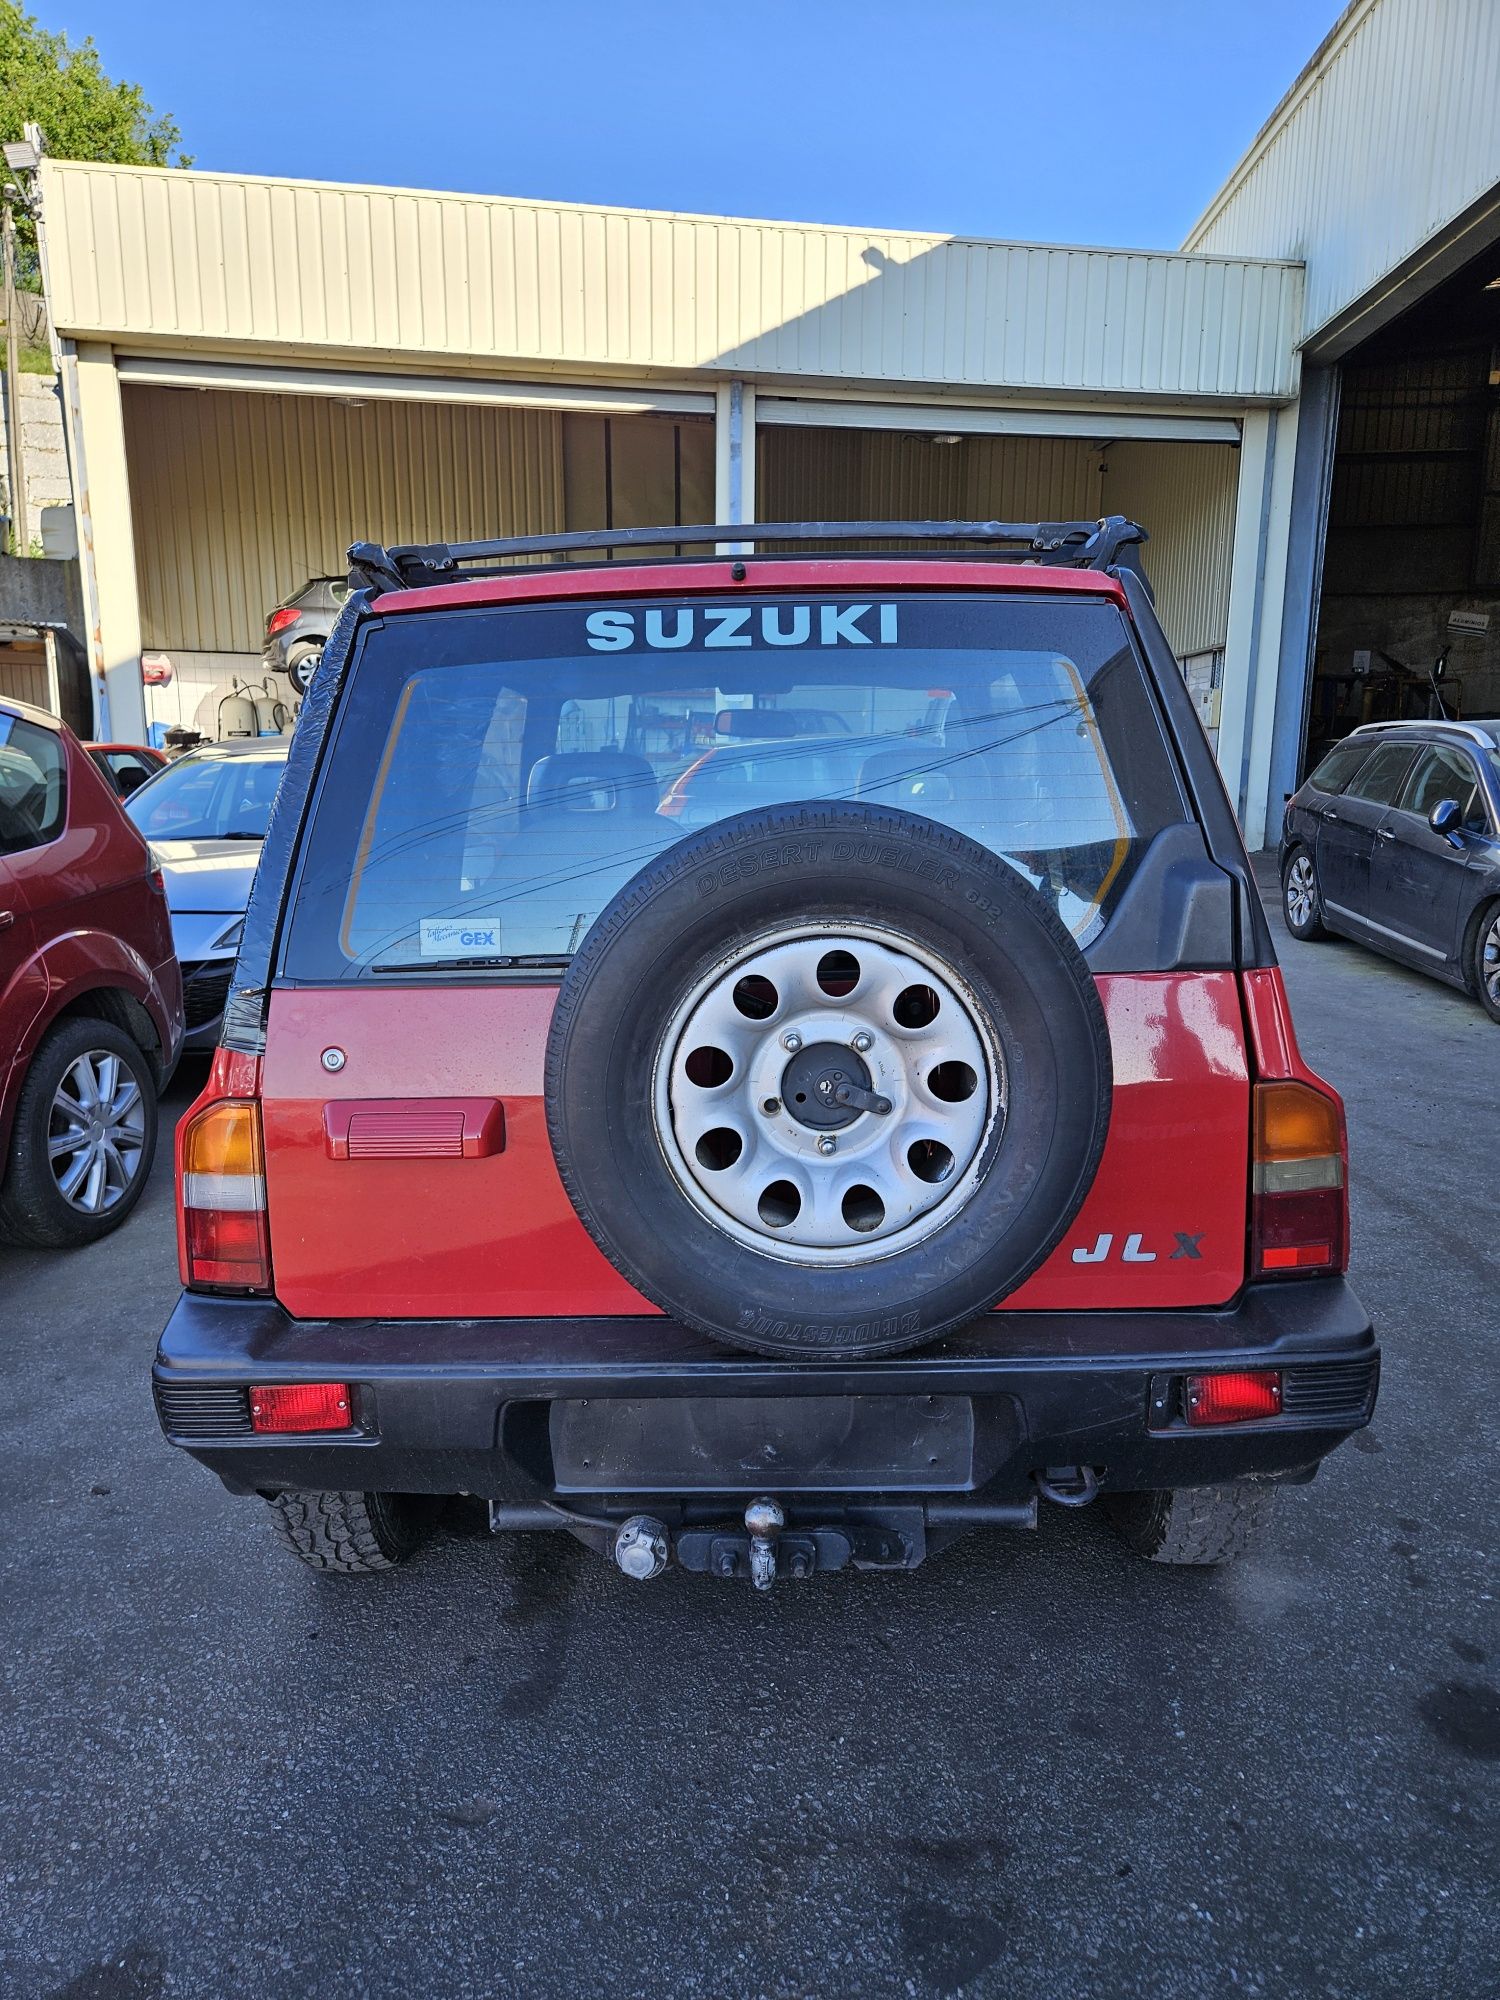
x: 191, y: 257
x: 236, y: 500
x: 1184, y: 496
x: 806, y: 474
x: 1183, y: 493
x: 1391, y: 132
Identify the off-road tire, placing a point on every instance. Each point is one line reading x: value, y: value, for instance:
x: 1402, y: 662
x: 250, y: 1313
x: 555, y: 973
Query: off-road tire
x: 827, y: 863
x: 33, y: 1210
x: 1313, y: 930
x: 1193, y: 1524
x: 302, y: 662
x: 352, y: 1534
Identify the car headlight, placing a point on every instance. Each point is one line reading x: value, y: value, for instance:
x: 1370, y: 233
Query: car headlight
x: 230, y: 937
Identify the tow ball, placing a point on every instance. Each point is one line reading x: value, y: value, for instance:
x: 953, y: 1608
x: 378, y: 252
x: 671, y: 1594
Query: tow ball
x: 642, y: 1546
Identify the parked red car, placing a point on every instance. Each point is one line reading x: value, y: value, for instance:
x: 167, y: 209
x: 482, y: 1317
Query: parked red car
x: 90, y: 992
x: 127, y: 766
x: 659, y: 1181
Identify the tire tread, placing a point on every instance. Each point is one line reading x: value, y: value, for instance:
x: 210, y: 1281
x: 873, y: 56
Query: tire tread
x: 349, y: 1533
x: 1193, y: 1525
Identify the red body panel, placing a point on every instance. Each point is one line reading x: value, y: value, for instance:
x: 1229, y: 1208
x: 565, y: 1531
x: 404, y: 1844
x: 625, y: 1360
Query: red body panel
x: 85, y: 914
x: 494, y: 1234
x: 807, y: 573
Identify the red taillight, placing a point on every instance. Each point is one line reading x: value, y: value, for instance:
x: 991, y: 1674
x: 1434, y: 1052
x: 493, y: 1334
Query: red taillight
x: 279, y: 620
x: 301, y: 1406
x: 1233, y: 1399
x: 226, y: 1245
x: 1299, y: 1212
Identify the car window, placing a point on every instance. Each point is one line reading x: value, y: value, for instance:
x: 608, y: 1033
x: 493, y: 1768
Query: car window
x: 493, y: 805
x: 33, y: 784
x: 126, y: 769
x: 1339, y: 766
x: 1443, y: 772
x: 208, y: 798
x: 1379, y: 780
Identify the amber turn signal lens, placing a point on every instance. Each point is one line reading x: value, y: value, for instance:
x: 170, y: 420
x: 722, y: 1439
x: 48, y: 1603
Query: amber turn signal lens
x: 1295, y: 1122
x: 225, y: 1139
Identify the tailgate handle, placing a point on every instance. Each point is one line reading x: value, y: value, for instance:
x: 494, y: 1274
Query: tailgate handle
x: 414, y: 1128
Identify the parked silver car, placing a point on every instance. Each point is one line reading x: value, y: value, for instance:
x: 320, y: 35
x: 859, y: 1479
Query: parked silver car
x: 205, y: 817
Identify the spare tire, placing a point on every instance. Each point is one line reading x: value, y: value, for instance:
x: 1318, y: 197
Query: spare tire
x: 827, y: 1080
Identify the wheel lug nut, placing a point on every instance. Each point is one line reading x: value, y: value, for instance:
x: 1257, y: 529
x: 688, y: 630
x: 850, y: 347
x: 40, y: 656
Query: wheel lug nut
x: 771, y: 1106
x: 862, y: 1042
x: 791, y: 1041
x: 828, y: 1144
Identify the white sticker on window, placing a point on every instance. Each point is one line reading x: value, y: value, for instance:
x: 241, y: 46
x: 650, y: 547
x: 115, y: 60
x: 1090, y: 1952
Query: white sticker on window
x: 443, y: 937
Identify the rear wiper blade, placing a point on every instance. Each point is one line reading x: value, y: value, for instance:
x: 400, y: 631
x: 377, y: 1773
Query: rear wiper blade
x: 538, y: 963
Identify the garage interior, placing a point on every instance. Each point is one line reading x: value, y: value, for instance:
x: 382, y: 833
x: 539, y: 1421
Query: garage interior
x: 238, y: 498
x: 1412, y: 563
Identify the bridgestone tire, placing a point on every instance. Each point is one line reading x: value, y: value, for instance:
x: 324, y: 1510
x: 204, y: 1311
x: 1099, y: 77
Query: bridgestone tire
x: 828, y: 864
x: 352, y: 1534
x: 1194, y: 1524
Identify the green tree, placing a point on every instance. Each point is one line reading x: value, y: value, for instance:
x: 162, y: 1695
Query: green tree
x: 84, y: 115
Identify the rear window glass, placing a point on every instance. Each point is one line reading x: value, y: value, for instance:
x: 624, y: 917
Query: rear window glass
x: 209, y: 798
x: 1380, y: 779
x: 498, y: 775
x: 33, y: 791
x: 1339, y: 766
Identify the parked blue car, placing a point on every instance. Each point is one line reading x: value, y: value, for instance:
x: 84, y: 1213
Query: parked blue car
x: 1395, y: 841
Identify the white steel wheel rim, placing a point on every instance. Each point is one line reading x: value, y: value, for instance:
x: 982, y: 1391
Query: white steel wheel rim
x: 1300, y: 891
x: 96, y: 1132
x: 890, y: 1179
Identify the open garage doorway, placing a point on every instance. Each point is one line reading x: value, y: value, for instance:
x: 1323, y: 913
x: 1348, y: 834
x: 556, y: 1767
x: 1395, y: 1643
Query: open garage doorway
x: 1411, y: 572
x: 239, y: 498
x: 1182, y: 491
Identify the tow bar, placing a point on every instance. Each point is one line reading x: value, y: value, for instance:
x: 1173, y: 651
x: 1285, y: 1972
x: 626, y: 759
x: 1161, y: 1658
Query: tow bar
x: 889, y: 1537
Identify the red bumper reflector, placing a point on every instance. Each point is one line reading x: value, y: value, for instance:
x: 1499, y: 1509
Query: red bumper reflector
x: 1234, y: 1399
x: 301, y: 1406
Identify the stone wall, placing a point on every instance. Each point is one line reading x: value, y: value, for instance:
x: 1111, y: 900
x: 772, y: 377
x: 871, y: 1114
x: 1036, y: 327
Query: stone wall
x: 47, y: 480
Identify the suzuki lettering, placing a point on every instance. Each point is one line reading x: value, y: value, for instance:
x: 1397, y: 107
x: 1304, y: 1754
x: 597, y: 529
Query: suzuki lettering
x: 714, y: 627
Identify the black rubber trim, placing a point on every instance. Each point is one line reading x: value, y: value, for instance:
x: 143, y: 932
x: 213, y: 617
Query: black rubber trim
x: 245, y: 1012
x: 1200, y: 770
x: 1067, y: 1388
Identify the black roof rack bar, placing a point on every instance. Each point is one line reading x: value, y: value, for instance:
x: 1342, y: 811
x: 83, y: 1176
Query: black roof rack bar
x: 1076, y: 544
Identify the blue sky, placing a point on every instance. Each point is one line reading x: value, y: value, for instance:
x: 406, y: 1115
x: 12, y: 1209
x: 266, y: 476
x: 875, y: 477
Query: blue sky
x: 1090, y: 121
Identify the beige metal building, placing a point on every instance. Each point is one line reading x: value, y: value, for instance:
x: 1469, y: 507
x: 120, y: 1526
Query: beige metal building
x: 257, y: 372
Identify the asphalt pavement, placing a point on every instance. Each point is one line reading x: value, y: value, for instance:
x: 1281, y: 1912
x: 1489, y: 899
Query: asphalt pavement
x: 1037, y: 1768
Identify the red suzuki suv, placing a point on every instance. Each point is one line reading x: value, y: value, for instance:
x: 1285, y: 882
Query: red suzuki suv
x: 762, y: 1062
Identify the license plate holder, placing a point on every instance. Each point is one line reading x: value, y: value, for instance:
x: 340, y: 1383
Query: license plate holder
x: 755, y: 1444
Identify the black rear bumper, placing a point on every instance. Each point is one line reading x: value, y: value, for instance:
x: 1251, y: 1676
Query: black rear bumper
x: 597, y: 1414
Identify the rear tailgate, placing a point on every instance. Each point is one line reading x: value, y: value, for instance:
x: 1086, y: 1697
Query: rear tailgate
x: 376, y: 1208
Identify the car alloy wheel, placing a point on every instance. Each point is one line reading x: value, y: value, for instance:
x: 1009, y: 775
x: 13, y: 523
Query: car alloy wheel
x: 1301, y: 893
x: 96, y: 1132
x: 1489, y: 964
x: 823, y: 1094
